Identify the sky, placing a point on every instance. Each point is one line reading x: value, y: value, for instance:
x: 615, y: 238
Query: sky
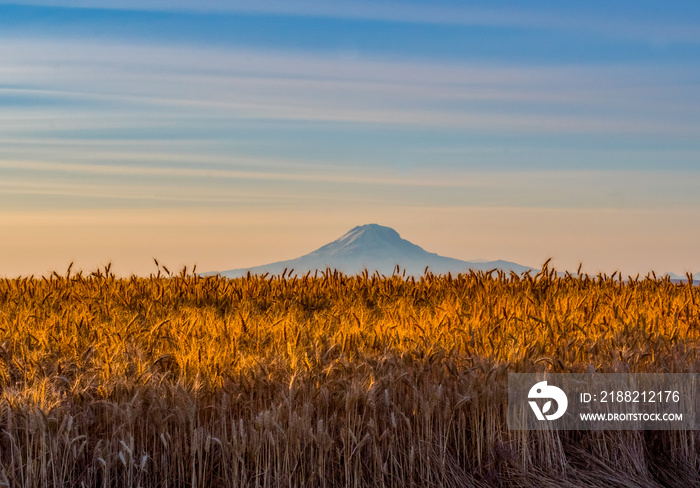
x: 229, y: 134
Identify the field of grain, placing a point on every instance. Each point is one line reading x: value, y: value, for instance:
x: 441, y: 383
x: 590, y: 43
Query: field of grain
x: 327, y: 380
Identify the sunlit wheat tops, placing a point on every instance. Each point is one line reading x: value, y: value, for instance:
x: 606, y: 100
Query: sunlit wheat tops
x: 326, y: 380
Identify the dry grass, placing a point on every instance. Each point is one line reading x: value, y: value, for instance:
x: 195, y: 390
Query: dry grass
x: 326, y: 381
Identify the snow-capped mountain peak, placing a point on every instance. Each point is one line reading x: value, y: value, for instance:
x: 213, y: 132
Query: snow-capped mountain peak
x: 375, y: 248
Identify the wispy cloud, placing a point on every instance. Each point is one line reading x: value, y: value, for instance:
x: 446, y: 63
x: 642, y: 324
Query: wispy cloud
x: 622, y: 23
x: 183, y: 125
x: 159, y: 136
x: 147, y: 185
x: 149, y: 84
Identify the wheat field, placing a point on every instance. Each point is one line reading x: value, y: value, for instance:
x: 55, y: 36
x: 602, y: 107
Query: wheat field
x: 327, y: 380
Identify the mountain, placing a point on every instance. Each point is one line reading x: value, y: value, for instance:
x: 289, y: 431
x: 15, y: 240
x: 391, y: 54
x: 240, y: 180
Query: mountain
x: 376, y: 248
x: 676, y: 278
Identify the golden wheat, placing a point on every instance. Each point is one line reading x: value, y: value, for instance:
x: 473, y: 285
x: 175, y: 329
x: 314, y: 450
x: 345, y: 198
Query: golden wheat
x: 326, y: 380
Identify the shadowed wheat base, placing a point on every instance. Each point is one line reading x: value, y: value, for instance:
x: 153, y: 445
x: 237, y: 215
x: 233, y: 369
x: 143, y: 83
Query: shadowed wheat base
x: 327, y: 381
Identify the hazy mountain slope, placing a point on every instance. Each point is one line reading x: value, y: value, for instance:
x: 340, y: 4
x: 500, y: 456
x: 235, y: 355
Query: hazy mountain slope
x: 376, y: 248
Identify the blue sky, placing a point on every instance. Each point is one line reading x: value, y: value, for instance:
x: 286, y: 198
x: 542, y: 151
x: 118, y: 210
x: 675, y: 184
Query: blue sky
x: 233, y: 134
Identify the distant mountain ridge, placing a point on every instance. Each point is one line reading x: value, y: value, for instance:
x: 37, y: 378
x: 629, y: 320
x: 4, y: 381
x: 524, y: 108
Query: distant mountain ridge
x: 375, y: 248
